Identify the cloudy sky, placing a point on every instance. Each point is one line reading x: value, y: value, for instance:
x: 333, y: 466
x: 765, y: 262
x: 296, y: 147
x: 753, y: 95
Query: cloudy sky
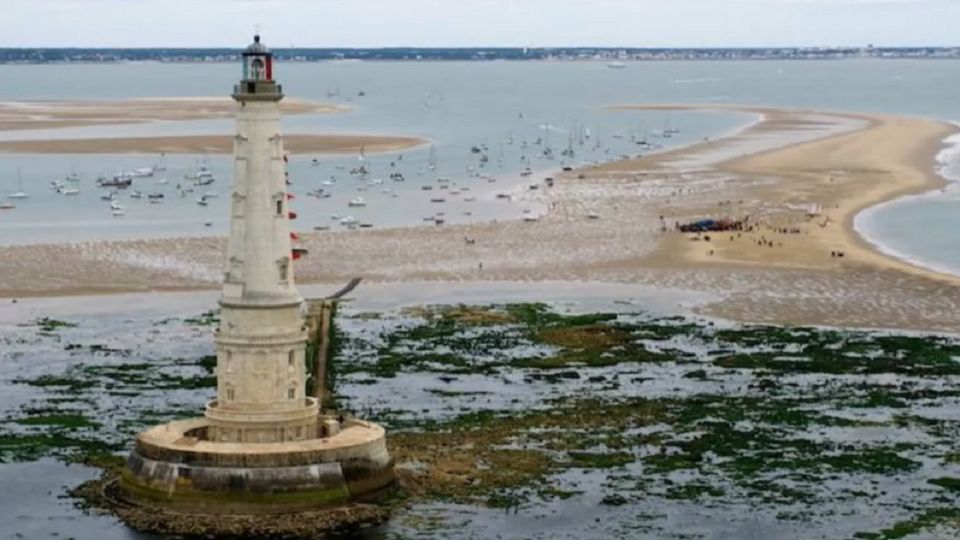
x: 376, y: 23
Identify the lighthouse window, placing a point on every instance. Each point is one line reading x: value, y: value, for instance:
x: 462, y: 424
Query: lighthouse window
x: 291, y: 393
x: 290, y: 359
x: 230, y: 394
x: 280, y: 207
x: 256, y: 69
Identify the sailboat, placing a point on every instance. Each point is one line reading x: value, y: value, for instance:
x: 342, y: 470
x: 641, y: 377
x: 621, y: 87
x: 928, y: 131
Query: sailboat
x: 361, y: 169
x: 20, y: 193
x: 161, y: 165
x: 432, y: 160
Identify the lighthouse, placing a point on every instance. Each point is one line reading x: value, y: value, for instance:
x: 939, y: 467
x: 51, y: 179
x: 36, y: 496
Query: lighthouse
x: 261, y: 341
x: 262, y: 446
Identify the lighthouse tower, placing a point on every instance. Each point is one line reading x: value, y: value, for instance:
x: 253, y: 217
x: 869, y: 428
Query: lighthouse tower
x: 261, y: 340
x: 262, y: 447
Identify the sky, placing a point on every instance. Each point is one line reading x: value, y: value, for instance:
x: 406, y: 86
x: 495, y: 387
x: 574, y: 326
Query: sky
x: 464, y: 23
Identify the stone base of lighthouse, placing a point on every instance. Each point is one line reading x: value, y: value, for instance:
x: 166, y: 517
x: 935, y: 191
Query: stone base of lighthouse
x: 177, y: 468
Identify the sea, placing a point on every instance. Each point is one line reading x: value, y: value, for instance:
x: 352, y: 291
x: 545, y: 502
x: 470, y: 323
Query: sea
x: 483, y: 124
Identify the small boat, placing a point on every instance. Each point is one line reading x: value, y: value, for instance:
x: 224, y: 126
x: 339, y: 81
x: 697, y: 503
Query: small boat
x: 349, y: 221
x: 108, y: 195
x: 210, y: 195
x: 426, y: 188
x: 73, y: 177
x: 359, y: 202
x: 366, y: 225
x: 503, y: 196
x: 163, y: 181
x: 469, y: 198
x: 208, y: 223
x: 145, y: 172
x: 321, y: 228
x: 118, y: 181
x: 155, y: 196
x: 437, y: 199
x: 7, y: 205
x: 118, y: 213
x: 202, y: 201
x: 526, y: 172
x: 68, y: 191
x: 20, y: 193
x: 115, y: 205
x: 616, y: 65
x: 160, y: 165
x: 593, y: 215
x: 136, y: 195
x: 530, y: 219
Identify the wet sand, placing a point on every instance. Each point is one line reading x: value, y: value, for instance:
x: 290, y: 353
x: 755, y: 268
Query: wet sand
x: 773, y: 171
x: 24, y: 115
x: 210, y: 144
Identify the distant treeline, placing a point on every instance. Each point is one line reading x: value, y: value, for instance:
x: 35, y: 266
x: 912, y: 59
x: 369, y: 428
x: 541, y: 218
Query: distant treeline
x: 40, y: 56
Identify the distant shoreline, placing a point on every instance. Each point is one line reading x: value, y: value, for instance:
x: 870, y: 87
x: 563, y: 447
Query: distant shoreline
x: 39, y: 55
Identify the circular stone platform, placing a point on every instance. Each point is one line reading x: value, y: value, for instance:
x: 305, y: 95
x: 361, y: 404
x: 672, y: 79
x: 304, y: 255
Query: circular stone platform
x: 173, y: 466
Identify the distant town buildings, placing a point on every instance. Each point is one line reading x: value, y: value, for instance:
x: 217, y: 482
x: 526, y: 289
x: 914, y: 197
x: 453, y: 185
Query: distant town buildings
x: 44, y: 56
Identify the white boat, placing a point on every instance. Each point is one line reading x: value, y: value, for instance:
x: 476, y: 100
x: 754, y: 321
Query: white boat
x: 202, y: 201
x: 68, y: 191
x: 144, y: 172
x: 115, y: 205
x: 163, y: 181
x: 161, y: 165
x: 469, y: 198
x: 359, y: 201
x: 7, y: 205
x: 118, y: 213
x: 616, y: 65
x: 20, y: 193
x: 349, y: 221
x: 108, y: 195
x: 136, y: 195
x: 530, y: 219
x: 73, y: 177
x: 432, y: 160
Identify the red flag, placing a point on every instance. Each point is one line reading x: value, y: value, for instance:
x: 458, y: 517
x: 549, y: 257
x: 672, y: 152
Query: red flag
x: 292, y: 215
x: 290, y: 196
x: 294, y: 236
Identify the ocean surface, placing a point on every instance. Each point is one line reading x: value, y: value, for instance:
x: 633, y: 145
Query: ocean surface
x: 511, y: 111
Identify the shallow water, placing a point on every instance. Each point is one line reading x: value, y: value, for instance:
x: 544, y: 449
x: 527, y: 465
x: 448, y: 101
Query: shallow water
x: 457, y: 105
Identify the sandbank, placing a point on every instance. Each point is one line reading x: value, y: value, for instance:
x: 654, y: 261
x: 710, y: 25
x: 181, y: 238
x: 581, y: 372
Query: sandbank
x: 607, y: 224
x: 209, y: 144
x: 31, y: 115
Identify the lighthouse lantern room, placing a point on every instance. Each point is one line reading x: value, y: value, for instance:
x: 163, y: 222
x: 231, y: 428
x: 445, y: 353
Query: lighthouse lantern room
x: 257, y: 77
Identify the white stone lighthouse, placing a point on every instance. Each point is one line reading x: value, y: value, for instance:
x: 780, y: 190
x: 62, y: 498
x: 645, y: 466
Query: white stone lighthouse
x: 262, y: 447
x: 261, y: 340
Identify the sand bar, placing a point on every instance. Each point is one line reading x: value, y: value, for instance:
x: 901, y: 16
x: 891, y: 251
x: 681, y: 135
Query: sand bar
x: 32, y: 115
x: 840, y: 161
x: 209, y: 144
